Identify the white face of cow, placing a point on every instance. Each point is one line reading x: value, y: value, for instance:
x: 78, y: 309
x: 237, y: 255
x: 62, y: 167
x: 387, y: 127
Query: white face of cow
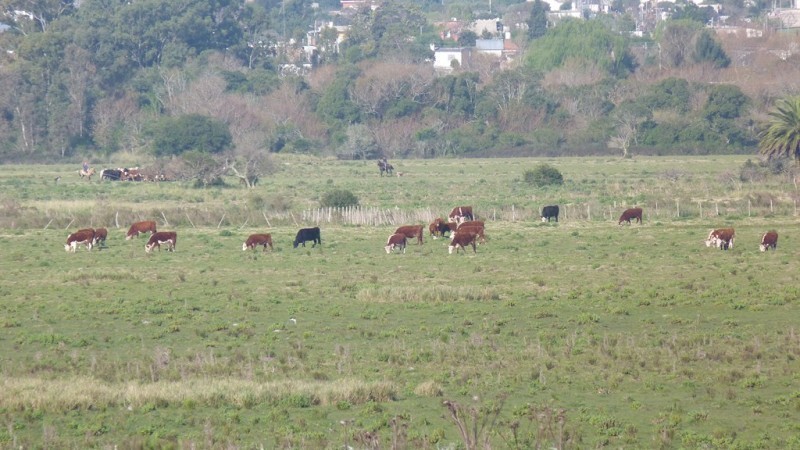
x: 762, y: 247
x: 389, y: 248
x: 544, y: 219
x: 450, y: 249
x: 67, y: 247
x: 244, y: 246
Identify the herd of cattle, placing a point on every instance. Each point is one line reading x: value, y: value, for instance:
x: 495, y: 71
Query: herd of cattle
x: 120, y: 174
x: 463, y: 230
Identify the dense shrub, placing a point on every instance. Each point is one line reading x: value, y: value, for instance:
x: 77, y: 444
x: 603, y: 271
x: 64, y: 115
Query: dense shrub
x: 339, y: 198
x: 544, y: 175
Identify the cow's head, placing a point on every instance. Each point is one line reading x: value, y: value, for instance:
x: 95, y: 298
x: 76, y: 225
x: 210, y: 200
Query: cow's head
x: 544, y: 219
x: 763, y: 247
x: 67, y: 247
x: 149, y: 247
x: 244, y: 246
x: 389, y: 248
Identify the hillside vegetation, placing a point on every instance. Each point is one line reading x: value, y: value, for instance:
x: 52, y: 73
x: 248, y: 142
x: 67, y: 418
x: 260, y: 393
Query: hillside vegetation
x: 130, y: 81
x: 576, y: 334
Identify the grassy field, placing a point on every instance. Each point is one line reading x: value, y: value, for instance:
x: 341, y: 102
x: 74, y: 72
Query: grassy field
x: 580, y: 334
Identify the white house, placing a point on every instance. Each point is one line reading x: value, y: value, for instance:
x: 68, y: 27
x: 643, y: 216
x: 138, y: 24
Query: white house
x: 450, y: 58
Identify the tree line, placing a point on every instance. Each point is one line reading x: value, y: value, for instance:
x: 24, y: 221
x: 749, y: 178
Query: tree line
x: 207, y: 79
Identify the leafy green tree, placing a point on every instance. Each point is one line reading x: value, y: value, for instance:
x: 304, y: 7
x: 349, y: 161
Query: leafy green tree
x: 191, y: 132
x: 587, y: 41
x: 338, y: 198
x: 781, y: 136
x: 725, y: 102
x: 544, y: 175
x: 386, y: 30
x: 467, y: 38
x: 335, y: 106
x: 457, y: 94
x: 707, y: 49
x: 670, y: 93
x: 537, y: 22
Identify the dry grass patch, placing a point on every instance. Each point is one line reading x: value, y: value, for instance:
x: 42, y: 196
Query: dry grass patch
x: 426, y: 294
x: 37, y: 394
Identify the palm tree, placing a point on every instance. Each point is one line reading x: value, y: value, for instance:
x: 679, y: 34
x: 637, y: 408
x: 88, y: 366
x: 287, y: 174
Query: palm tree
x: 781, y: 138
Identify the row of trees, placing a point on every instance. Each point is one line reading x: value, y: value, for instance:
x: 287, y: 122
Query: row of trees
x: 160, y: 79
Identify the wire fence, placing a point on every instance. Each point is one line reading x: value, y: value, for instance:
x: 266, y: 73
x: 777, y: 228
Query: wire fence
x: 240, y: 216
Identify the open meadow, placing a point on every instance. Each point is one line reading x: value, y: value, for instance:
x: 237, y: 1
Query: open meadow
x: 576, y: 334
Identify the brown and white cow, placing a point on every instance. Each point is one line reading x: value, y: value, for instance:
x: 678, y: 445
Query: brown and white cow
x: 170, y: 238
x: 100, y: 235
x: 721, y: 238
x: 84, y: 236
x: 461, y: 239
x: 461, y: 213
x: 769, y: 240
x: 411, y: 232
x: 141, y: 227
x: 396, y: 241
x: 630, y: 214
x: 478, y: 230
x: 254, y: 240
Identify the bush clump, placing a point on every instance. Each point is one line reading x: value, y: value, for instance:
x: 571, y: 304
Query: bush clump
x: 544, y: 175
x: 339, y: 198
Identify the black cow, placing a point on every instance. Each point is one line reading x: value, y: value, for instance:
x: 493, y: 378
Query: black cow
x: 111, y: 174
x: 307, y: 234
x: 548, y: 212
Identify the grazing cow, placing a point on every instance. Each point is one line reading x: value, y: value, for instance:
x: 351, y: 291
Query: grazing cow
x: 141, y: 227
x: 411, y: 232
x: 769, y: 240
x: 84, y: 236
x: 630, y: 214
x: 721, y: 238
x: 478, y: 230
x: 111, y: 174
x: 87, y: 173
x: 433, y: 228
x: 461, y: 239
x: 461, y: 214
x: 170, y: 238
x: 549, y: 212
x: 254, y: 240
x: 307, y: 234
x: 132, y: 174
x: 397, y: 240
x: 100, y: 235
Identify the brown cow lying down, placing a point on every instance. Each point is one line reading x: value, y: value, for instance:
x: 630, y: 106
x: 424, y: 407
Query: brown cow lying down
x: 141, y: 227
x: 769, y: 240
x: 629, y: 214
x: 396, y: 241
x: 84, y: 236
x: 721, y: 238
x: 411, y: 232
x: 461, y: 239
x: 254, y: 240
x: 170, y: 238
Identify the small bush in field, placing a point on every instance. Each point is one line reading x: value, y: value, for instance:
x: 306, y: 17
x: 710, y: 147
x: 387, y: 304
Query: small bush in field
x: 339, y: 198
x: 544, y: 175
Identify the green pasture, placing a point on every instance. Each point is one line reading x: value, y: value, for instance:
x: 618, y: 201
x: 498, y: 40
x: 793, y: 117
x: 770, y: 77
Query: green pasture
x: 581, y: 334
